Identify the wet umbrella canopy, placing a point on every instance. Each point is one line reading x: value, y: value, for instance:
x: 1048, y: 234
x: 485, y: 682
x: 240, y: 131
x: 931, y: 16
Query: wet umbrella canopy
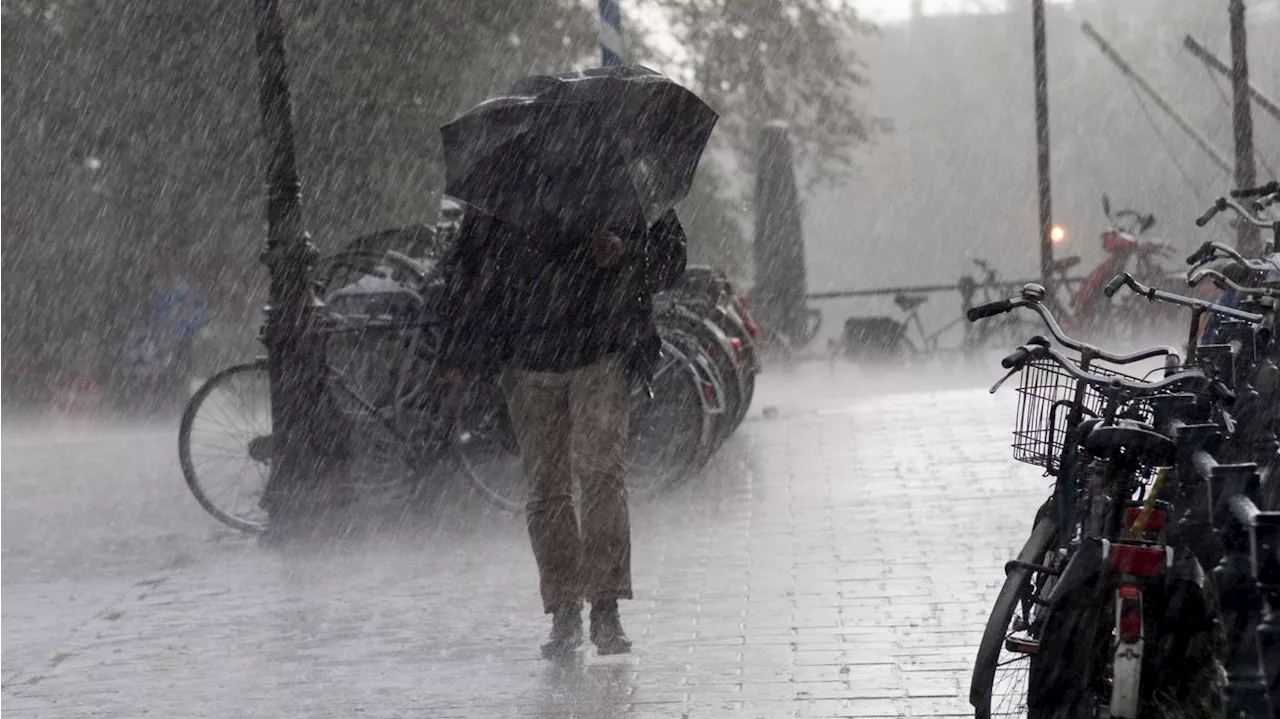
x: 598, y: 148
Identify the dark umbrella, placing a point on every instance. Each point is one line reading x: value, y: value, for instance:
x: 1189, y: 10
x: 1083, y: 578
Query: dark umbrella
x: 598, y: 148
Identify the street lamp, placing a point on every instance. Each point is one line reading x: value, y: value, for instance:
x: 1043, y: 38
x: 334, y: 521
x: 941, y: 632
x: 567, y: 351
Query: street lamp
x: 291, y: 317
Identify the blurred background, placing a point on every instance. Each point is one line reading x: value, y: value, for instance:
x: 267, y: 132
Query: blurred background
x: 131, y: 158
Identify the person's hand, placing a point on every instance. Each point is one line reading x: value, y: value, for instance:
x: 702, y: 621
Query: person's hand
x: 607, y: 248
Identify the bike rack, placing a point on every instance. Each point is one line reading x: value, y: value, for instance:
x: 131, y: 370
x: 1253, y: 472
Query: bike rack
x: 1248, y: 579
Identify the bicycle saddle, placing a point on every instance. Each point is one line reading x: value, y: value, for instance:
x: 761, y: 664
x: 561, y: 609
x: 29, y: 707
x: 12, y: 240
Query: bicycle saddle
x: 909, y: 302
x: 1133, y: 439
x: 1064, y: 264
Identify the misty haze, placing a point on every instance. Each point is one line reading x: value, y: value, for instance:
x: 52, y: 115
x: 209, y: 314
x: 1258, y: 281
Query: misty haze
x: 641, y: 358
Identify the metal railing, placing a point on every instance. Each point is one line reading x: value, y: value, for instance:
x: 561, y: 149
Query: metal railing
x: 928, y: 289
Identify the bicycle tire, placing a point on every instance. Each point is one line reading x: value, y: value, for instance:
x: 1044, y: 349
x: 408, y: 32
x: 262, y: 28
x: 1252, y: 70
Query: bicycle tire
x: 731, y: 323
x: 246, y: 523
x: 715, y: 345
x: 732, y: 373
x: 748, y: 391
x: 1066, y: 678
x: 685, y: 430
x: 709, y: 375
x: 987, y: 664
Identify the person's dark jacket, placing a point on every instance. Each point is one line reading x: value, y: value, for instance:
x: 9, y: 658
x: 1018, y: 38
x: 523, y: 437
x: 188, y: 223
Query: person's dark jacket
x: 541, y: 303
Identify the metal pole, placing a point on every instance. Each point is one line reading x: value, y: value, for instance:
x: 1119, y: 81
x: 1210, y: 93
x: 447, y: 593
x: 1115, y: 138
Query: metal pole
x: 295, y: 362
x: 1247, y: 237
x: 1195, y: 47
x: 1142, y: 83
x: 1042, y: 142
x: 610, y: 33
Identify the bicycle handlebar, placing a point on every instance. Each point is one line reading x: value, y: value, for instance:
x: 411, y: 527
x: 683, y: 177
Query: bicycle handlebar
x: 1020, y: 356
x: 1136, y: 388
x: 1211, y: 251
x: 1032, y: 297
x: 1223, y: 203
x: 1218, y: 206
x: 1116, y: 283
x: 1124, y: 279
x: 990, y: 309
x: 1204, y: 253
x: 1225, y: 283
x: 1266, y: 201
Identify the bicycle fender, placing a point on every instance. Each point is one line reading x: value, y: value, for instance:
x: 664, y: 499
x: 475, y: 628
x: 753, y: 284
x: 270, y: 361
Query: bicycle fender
x: 1084, y: 565
x: 1187, y: 573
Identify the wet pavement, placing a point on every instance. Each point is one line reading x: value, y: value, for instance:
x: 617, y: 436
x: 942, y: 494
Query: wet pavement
x: 837, y: 559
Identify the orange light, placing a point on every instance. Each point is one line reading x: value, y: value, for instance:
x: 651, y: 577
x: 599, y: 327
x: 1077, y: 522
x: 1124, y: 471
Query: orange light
x: 1058, y: 233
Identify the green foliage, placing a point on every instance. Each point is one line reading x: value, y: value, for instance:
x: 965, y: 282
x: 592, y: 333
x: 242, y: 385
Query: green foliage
x: 792, y: 60
x: 756, y: 61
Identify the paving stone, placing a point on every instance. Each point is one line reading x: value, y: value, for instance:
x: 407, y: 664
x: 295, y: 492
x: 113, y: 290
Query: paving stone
x: 828, y: 564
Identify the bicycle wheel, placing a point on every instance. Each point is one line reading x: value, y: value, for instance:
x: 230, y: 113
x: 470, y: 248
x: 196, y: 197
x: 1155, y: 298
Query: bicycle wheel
x: 672, y: 432
x: 715, y: 345
x: 998, y: 686
x: 1069, y: 674
x: 715, y: 388
x: 224, y: 445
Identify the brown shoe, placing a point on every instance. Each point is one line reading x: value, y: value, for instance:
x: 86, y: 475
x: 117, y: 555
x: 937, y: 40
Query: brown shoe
x: 566, y: 632
x: 606, y: 629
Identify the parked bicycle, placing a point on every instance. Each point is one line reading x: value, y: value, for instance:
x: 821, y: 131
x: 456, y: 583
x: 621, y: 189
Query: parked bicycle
x: 1127, y: 248
x: 885, y: 339
x: 1101, y: 614
x: 381, y: 341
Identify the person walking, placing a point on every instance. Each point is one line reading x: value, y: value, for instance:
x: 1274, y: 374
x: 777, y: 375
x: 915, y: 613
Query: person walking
x: 567, y: 323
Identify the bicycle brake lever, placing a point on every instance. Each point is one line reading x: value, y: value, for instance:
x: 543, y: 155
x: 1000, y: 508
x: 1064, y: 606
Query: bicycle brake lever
x: 1003, y: 379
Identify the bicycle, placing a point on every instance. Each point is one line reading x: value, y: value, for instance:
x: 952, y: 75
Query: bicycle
x: 1249, y: 570
x: 1243, y: 550
x: 384, y: 390
x: 1125, y: 245
x: 1246, y: 353
x: 886, y: 339
x: 1069, y: 625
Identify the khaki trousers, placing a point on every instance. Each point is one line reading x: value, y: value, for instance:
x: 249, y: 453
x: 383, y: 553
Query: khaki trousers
x: 572, y: 426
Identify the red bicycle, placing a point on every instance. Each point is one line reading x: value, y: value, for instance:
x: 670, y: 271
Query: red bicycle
x: 1094, y: 314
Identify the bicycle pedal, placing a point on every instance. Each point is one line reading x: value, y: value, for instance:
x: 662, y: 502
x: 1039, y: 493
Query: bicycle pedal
x: 1022, y: 645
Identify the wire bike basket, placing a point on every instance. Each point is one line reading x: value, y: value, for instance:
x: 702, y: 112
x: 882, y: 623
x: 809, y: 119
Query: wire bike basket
x: 1046, y: 395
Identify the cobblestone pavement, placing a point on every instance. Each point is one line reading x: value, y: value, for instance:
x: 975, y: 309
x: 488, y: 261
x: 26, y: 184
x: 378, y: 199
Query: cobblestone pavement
x: 838, y: 559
